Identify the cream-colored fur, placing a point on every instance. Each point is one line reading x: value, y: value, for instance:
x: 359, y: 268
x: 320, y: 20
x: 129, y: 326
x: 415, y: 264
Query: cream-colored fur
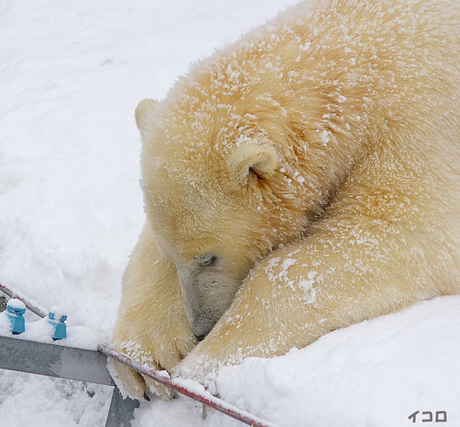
x: 300, y: 180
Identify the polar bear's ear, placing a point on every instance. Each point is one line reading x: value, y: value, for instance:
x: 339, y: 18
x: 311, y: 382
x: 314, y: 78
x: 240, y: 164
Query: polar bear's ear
x: 143, y: 111
x: 251, y: 164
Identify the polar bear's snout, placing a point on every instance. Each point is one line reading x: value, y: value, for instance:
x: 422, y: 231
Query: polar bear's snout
x: 207, y: 292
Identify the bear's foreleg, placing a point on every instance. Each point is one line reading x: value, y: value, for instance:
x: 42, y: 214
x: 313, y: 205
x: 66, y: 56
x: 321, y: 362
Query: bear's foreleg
x: 347, y: 270
x: 152, y: 326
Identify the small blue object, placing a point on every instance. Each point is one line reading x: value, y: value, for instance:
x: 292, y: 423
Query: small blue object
x: 15, y: 311
x: 57, y: 317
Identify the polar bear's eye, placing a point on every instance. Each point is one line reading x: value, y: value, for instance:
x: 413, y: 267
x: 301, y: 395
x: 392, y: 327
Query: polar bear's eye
x: 206, y: 260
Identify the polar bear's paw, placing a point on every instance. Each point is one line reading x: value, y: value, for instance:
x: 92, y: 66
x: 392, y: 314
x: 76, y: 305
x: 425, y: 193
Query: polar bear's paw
x: 162, y: 357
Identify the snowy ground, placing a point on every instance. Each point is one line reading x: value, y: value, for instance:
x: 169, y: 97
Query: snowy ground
x: 71, y: 74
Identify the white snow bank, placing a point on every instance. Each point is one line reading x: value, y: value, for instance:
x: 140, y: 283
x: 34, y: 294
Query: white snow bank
x: 375, y: 373
x: 35, y: 401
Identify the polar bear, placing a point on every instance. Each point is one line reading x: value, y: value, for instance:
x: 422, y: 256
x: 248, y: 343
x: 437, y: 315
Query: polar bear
x: 302, y: 179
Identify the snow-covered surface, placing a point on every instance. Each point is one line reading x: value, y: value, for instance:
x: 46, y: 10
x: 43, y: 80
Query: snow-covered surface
x: 71, y: 74
x: 41, y: 330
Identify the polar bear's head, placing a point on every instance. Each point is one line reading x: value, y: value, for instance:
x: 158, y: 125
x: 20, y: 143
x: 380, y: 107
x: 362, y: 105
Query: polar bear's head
x: 217, y: 199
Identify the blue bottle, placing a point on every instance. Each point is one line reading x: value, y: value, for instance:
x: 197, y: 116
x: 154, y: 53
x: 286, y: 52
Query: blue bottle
x: 56, y: 318
x: 15, y: 312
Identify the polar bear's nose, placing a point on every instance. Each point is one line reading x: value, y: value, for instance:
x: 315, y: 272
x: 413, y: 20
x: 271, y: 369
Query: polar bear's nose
x: 200, y: 337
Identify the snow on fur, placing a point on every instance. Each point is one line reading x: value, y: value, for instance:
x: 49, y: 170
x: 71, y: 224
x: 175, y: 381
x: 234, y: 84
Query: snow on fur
x: 71, y: 211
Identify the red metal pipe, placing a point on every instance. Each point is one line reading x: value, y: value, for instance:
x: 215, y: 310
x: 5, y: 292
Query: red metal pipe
x: 176, y: 384
x: 29, y: 303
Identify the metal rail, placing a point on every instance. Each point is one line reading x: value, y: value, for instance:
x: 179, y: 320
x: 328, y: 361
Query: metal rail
x: 66, y: 362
